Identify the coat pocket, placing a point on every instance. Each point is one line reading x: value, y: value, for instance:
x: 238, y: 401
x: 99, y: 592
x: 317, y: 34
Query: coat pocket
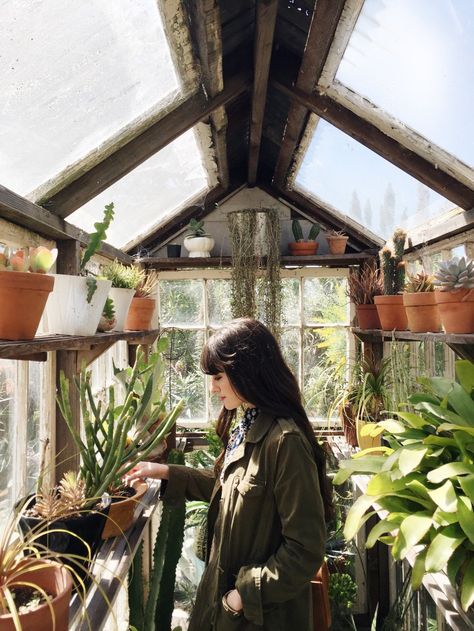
x: 251, y: 487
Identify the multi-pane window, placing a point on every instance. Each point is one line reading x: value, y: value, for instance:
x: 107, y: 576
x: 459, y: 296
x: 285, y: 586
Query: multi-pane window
x: 315, y: 338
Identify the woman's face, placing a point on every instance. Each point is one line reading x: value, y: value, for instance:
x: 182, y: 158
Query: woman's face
x: 222, y: 387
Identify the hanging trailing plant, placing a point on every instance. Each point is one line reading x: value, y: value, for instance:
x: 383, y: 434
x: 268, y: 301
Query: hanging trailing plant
x: 256, y: 257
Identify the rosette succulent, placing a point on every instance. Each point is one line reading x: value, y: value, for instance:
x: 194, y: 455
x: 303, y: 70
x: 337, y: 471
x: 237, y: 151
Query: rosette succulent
x: 455, y: 274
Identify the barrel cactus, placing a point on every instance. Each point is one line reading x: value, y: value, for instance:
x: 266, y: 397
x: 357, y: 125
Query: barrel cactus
x: 455, y: 274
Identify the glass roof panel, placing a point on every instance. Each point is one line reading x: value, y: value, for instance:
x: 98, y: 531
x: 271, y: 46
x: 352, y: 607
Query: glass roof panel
x: 415, y: 59
x: 150, y: 194
x: 354, y: 180
x: 73, y: 75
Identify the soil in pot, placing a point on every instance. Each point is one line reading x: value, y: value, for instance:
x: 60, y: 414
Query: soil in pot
x: 140, y: 314
x: 391, y: 312
x: 456, y: 310
x: 422, y: 312
x: 122, y: 509
x: 368, y: 317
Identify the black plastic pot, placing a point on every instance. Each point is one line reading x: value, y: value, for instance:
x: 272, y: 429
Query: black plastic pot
x: 173, y: 250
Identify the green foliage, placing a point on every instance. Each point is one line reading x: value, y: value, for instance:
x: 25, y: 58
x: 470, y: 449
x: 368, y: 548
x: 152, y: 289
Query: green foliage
x: 124, y: 276
x: 342, y: 591
x: 109, y: 309
x: 425, y: 482
x: 364, y: 285
x: 422, y: 282
x: 98, y: 236
x: 196, y: 229
x: 298, y: 231
x: 91, y: 283
x: 393, y: 266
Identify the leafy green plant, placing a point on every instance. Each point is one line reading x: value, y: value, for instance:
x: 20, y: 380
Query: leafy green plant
x: 425, y: 482
x: 342, y: 594
x: 298, y: 231
x: 124, y: 276
x: 146, y: 285
x: 196, y: 229
x: 393, y: 267
x: 93, y: 246
x: 363, y: 285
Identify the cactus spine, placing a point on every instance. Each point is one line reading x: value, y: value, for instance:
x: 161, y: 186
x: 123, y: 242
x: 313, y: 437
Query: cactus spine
x: 393, y: 266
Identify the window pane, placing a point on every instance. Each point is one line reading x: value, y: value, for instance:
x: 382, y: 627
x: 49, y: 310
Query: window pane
x: 73, y: 75
x: 421, y: 81
x: 291, y: 347
x: 290, y: 301
x: 33, y: 424
x: 325, y: 301
x: 218, y: 292
x: 185, y: 379
x: 7, y: 419
x: 181, y: 302
x: 324, y: 357
x: 341, y: 172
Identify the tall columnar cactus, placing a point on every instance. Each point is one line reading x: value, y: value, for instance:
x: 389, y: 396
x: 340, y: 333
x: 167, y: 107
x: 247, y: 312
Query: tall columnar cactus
x: 393, y: 266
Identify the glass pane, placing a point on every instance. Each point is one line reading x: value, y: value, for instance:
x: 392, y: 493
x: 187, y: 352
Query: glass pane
x: 458, y: 251
x: 325, y: 353
x: 33, y: 424
x: 150, y: 194
x: 73, y: 75
x: 7, y: 419
x: 325, y: 301
x: 427, y: 81
x: 290, y: 301
x: 181, y: 302
x: 341, y: 172
x: 185, y: 379
x: 291, y: 347
x: 218, y: 292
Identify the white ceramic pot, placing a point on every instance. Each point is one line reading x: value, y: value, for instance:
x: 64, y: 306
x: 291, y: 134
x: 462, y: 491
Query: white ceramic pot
x: 67, y: 310
x: 122, y: 299
x: 199, y: 246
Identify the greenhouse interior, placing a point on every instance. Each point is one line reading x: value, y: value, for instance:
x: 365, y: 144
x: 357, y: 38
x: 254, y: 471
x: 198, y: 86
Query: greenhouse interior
x: 234, y: 394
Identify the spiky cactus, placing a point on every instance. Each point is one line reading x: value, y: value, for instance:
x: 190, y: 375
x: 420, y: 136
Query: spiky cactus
x: 422, y: 282
x: 298, y: 231
x: 393, y: 266
x: 455, y: 274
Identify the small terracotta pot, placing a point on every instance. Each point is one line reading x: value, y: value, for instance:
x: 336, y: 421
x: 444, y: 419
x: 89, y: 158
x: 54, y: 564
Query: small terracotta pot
x: 303, y: 248
x: 55, y: 580
x: 140, y: 314
x: 456, y: 310
x: 368, y: 317
x: 422, y: 312
x: 337, y: 245
x: 23, y: 297
x: 320, y: 597
x: 391, y: 312
x: 120, y: 515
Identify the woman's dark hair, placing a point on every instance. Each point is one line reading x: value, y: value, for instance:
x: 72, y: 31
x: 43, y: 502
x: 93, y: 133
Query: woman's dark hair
x: 251, y: 358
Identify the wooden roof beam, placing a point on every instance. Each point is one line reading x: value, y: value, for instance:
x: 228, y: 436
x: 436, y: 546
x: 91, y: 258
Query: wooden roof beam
x: 373, y: 138
x: 266, y: 13
x: 192, y: 111
x: 323, y: 26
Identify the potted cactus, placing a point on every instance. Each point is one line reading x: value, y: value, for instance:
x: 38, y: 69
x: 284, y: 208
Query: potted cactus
x: 24, y: 286
x: 337, y: 241
x: 301, y: 246
x: 455, y: 296
x: 362, y: 288
x: 142, y: 307
x: 125, y: 279
x: 420, y: 304
x: 197, y: 241
x: 390, y: 306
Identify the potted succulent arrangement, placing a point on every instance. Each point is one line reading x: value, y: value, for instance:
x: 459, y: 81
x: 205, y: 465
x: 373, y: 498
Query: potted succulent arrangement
x: 75, y: 306
x: 423, y: 481
x: 197, y: 241
x: 455, y: 296
x: 420, y: 304
x: 337, y: 241
x: 142, y: 307
x: 125, y: 279
x: 390, y: 306
x: 24, y: 286
x: 362, y: 288
x: 108, y: 318
x: 301, y: 246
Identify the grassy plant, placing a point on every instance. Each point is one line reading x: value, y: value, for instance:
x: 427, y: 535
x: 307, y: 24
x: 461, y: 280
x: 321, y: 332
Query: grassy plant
x: 124, y: 276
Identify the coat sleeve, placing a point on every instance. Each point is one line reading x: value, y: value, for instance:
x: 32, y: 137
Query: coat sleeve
x: 189, y: 483
x: 301, y: 552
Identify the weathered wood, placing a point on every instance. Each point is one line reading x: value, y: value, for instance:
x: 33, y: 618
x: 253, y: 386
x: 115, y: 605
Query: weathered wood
x: 370, y: 136
x: 325, y: 18
x: 21, y: 211
x: 454, y: 340
x: 266, y: 13
x: 67, y: 456
x: 32, y: 357
x: 430, y: 233
x: 139, y: 149
x: 69, y: 255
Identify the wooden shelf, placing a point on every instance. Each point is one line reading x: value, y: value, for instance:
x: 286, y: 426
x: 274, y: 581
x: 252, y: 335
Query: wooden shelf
x: 324, y: 260
x: 36, y: 349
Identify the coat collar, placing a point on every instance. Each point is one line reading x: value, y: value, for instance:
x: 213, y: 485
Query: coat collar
x: 259, y: 429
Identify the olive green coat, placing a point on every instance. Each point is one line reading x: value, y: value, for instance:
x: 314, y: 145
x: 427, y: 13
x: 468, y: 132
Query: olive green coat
x: 266, y: 524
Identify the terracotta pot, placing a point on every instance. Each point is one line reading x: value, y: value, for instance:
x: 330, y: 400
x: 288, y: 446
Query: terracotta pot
x: 303, y: 248
x: 320, y: 597
x: 23, y: 297
x: 391, y: 312
x: 368, y: 317
x: 55, y: 580
x: 456, y: 310
x: 337, y: 245
x: 140, y: 314
x: 120, y: 516
x: 422, y: 312
x: 348, y: 425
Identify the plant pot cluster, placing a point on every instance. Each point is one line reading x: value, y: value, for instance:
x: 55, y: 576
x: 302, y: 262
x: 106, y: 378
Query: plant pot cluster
x: 337, y: 241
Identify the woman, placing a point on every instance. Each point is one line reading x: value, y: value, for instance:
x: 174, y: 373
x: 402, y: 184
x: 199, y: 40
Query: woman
x: 266, y: 520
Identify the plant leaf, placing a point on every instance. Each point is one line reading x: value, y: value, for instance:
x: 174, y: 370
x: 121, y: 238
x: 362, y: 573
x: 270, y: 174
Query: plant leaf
x: 466, y: 517
x: 467, y: 586
x: 465, y: 374
x: 442, y: 547
x: 467, y: 485
x: 414, y: 420
x: 356, y: 514
x: 412, y: 530
x: 410, y: 458
x: 381, y: 528
x: 445, y: 497
x: 449, y: 470
x: 382, y: 483
x: 418, y: 570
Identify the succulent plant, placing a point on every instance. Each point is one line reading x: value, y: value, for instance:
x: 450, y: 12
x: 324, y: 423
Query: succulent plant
x: 123, y: 276
x: 393, y: 266
x: 422, y: 282
x: 147, y: 285
x: 364, y: 285
x: 455, y: 274
x: 196, y: 229
x: 38, y: 260
x: 298, y: 231
x: 63, y: 501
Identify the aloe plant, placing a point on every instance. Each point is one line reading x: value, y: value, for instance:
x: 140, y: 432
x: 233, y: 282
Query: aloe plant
x: 425, y: 481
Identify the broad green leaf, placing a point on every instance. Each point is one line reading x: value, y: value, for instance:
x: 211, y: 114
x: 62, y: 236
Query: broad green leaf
x: 419, y: 397
x: 414, y: 420
x: 418, y: 570
x: 465, y: 374
x: 443, y: 518
x: 356, y: 513
x: 440, y: 440
x: 442, y: 547
x: 419, y: 488
x: 443, y: 414
x: 391, y: 460
x: 371, y: 429
x: 467, y: 586
x: 372, y: 450
x: 450, y: 427
x: 372, y: 464
x: 445, y: 497
x: 381, y: 528
x: 410, y: 458
x: 467, y: 485
x: 455, y: 562
x: 382, y: 484
x: 392, y: 426
x: 449, y: 470
x: 412, y: 530
x: 466, y: 517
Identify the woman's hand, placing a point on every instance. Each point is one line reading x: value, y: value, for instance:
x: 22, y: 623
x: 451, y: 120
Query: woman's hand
x: 234, y: 600
x: 147, y: 470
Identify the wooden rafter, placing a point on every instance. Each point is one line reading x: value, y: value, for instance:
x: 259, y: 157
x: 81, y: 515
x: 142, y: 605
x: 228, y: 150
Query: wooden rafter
x: 139, y: 149
x: 266, y: 13
x: 21, y: 211
x: 390, y: 149
x: 325, y: 18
